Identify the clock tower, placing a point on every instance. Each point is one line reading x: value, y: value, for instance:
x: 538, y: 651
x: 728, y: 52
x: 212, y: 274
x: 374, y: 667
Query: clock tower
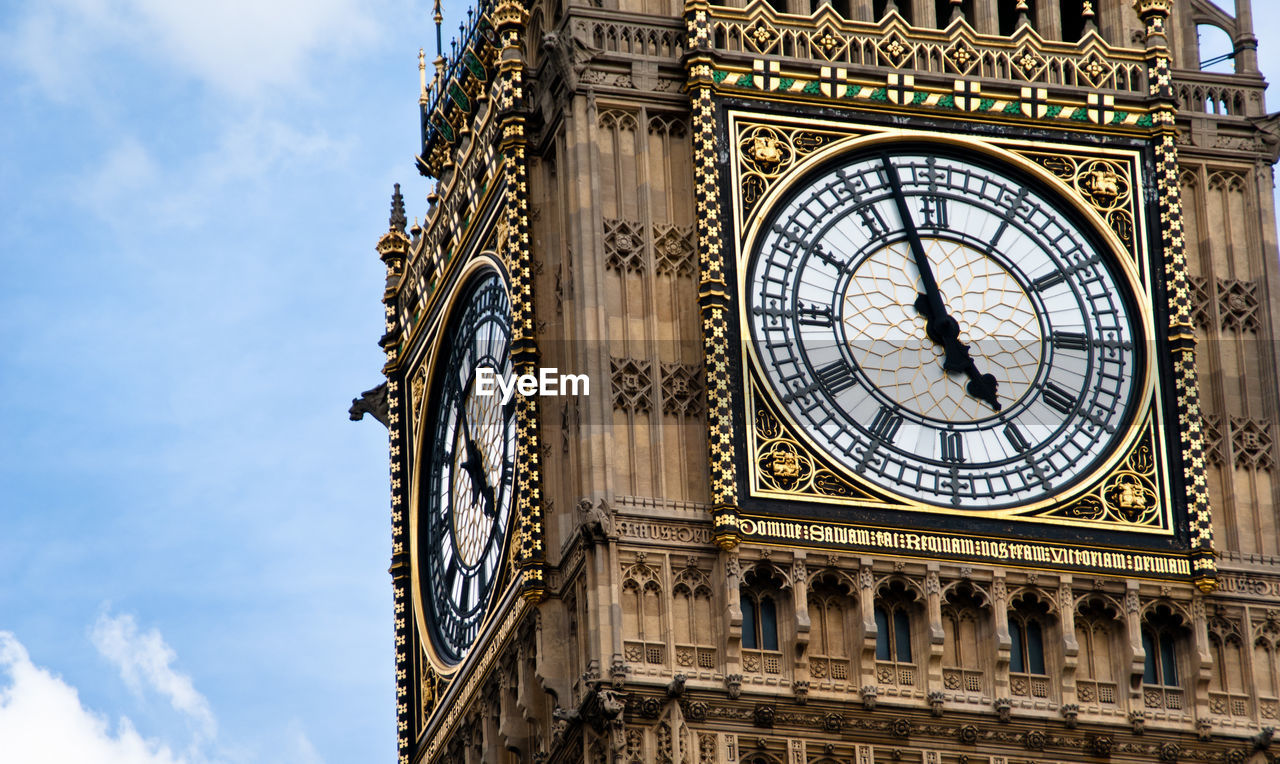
x: 853, y: 381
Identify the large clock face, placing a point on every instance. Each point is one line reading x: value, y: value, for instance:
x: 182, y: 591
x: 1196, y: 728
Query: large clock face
x: 944, y: 326
x: 468, y: 469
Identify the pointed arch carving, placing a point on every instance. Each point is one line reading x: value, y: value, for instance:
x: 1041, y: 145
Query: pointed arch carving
x: 1229, y: 681
x: 643, y: 616
x: 1099, y: 663
x: 693, y: 624
x: 833, y: 626
x: 968, y: 630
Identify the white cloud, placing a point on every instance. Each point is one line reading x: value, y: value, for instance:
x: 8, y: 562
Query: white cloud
x: 129, y: 187
x: 145, y: 661
x: 43, y: 722
x: 241, y: 47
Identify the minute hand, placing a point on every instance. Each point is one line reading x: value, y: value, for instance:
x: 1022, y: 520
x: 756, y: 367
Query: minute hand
x: 940, y: 326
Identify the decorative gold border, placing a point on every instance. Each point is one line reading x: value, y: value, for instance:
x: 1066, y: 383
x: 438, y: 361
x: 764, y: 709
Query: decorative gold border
x: 481, y: 262
x: 1182, y: 341
x: 714, y: 302
x: 1149, y: 395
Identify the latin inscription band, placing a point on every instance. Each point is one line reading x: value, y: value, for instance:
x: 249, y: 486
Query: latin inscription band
x: 1034, y: 553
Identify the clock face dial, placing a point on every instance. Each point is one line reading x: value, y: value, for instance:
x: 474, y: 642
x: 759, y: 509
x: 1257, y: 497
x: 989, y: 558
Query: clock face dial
x: 469, y: 470
x: 944, y: 327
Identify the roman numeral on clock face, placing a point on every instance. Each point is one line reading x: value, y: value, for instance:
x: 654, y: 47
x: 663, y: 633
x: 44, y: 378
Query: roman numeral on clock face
x: 886, y: 424
x: 814, y: 315
x: 1048, y: 280
x: 1070, y: 341
x: 952, y: 447
x: 934, y: 209
x: 836, y: 376
x: 1058, y: 398
x: 1016, y: 438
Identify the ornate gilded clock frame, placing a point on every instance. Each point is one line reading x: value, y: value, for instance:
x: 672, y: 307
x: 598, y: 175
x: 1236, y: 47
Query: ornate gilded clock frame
x: 800, y: 472
x: 750, y: 80
x: 428, y: 368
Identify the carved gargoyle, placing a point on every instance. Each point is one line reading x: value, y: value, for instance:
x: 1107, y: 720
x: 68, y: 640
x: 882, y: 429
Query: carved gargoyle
x: 1269, y: 131
x: 372, y: 402
x: 570, y: 54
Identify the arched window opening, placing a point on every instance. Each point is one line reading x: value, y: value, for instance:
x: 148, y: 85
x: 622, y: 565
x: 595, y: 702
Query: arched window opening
x: 1028, y: 669
x: 1161, y: 666
x: 759, y: 621
x: 894, y: 613
x: 1217, y: 51
x: 759, y: 597
x: 644, y: 635
x: 1266, y: 667
x: 1162, y: 636
x: 1097, y: 629
x: 1028, y: 647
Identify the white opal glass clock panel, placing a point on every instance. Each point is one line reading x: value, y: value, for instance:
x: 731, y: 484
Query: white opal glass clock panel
x: 831, y: 293
x: 470, y: 471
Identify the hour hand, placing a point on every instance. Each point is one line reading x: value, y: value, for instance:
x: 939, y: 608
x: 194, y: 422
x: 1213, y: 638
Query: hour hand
x: 945, y: 331
x: 474, y: 465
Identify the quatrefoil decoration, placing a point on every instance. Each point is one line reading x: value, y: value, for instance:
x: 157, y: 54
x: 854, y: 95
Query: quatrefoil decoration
x: 1095, y: 70
x: 962, y: 57
x: 1028, y: 64
x: 894, y: 50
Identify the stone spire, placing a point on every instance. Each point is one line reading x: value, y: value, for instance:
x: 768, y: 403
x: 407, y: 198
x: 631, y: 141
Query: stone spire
x: 398, y: 220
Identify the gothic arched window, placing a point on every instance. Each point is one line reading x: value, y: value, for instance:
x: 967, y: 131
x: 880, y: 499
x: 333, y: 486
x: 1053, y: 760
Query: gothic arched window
x: 759, y: 621
x: 894, y: 613
x: 1266, y: 668
x: 1029, y: 620
x: 1163, y: 633
x: 642, y: 616
x: 759, y: 600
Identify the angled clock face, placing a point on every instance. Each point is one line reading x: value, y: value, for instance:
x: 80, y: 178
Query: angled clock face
x: 468, y: 470
x: 944, y: 327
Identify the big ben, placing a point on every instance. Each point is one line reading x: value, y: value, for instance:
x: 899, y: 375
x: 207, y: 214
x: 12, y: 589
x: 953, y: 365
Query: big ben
x: 928, y: 387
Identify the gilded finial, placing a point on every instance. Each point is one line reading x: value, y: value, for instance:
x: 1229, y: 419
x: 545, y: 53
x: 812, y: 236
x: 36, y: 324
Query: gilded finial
x: 957, y: 12
x: 398, y: 220
x: 1087, y: 12
x: 1023, y: 12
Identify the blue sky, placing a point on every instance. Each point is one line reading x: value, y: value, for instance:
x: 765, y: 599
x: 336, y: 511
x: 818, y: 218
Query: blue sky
x: 193, y: 538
